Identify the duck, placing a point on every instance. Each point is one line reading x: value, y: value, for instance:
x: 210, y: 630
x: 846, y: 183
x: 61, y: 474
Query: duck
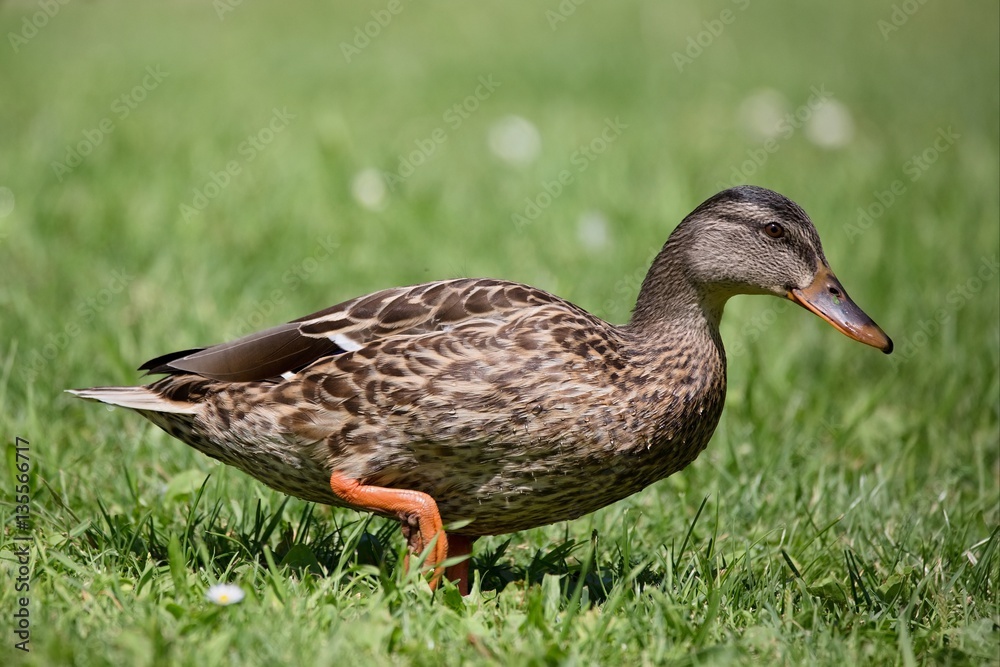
x: 490, y: 405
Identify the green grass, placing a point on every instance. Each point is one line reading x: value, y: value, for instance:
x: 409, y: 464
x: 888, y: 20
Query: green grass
x: 847, y: 510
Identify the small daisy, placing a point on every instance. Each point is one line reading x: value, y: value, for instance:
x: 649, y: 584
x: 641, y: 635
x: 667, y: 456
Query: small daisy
x: 368, y: 189
x: 831, y: 126
x: 224, y: 594
x: 762, y: 112
x: 6, y: 201
x: 592, y: 230
x: 515, y: 140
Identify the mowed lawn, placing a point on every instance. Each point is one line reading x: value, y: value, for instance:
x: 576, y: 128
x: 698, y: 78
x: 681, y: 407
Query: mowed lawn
x: 172, y: 176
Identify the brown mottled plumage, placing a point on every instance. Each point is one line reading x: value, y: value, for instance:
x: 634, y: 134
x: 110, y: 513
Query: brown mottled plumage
x: 508, y: 406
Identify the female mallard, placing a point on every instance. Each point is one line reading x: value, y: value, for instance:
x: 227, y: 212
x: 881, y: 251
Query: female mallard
x: 490, y: 402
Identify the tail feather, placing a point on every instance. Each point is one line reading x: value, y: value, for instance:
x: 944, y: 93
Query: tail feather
x: 136, y: 398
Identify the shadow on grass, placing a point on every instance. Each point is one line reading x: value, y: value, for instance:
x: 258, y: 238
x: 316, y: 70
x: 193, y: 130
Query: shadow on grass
x: 218, y: 542
x: 367, y: 552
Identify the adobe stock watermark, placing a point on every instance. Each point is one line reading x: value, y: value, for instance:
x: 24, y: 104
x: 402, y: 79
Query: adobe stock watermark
x: 563, y: 11
x: 627, y: 287
x: 711, y: 30
x: 957, y: 299
x: 787, y: 126
x: 23, y: 541
x: 121, y: 108
x: 453, y: 117
x: 262, y: 314
x: 754, y: 328
x: 363, y: 35
x: 247, y: 151
x: 913, y: 169
x: 52, y: 346
x: 7, y: 205
x: 223, y: 7
x: 580, y: 160
x: 31, y: 25
x: 899, y: 16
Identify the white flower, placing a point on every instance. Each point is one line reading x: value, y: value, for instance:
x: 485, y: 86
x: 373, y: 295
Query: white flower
x: 6, y: 202
x: 831, y: 125
x: 762, y: 113
x: 368, y: 188
x: 515, y: 140
x: 592, y: 230
x: 224, y: 594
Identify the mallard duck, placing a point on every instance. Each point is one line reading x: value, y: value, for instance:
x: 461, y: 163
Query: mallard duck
x: 490, y: 403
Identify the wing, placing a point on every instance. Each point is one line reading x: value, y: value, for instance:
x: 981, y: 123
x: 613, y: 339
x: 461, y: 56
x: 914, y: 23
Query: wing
x: 354, y: 324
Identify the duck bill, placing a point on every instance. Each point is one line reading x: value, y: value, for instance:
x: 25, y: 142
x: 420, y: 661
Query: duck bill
x: 826, y: 297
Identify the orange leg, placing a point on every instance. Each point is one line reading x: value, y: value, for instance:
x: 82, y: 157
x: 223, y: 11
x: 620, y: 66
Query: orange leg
x: 417, y: 513
x: 460, y: 545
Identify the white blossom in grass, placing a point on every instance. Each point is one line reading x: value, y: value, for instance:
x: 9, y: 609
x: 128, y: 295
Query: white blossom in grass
x: 6, y: 202
x: 592, y: 230
x: 515, y: 140
x: 224, y: 594
x: 831, y: 125
x: 368, y: 188
x: 762, y: 113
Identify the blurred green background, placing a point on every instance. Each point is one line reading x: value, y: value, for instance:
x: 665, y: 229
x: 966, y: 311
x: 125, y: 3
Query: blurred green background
x: 176, y: 174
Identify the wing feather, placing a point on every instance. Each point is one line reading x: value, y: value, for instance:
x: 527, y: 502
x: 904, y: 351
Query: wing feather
x: 352, y: 325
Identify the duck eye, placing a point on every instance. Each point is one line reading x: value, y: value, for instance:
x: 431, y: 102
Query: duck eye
x: 774, y: 230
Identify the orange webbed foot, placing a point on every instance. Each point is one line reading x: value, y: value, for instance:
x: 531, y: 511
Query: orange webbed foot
x: 417, y: 513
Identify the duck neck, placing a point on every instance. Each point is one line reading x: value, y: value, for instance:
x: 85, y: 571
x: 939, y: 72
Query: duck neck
x: 675, y: 338
x: 672, y: 303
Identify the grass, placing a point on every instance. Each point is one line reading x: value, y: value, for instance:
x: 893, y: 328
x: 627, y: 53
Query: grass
x: 847, y: 510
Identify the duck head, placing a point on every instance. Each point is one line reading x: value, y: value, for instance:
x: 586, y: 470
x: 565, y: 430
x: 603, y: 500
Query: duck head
x: 751, y: 240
